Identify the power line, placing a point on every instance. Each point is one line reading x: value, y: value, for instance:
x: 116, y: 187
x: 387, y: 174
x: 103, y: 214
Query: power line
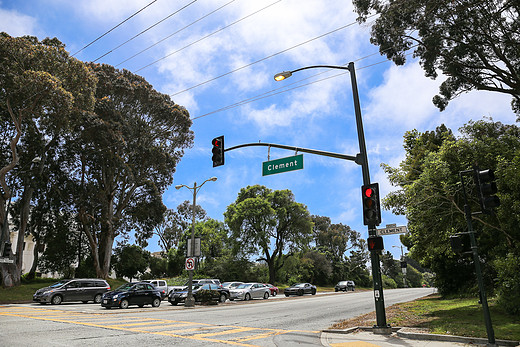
x: 176, y: 32
x: 265, y: 58
x: 205, y: 37
x: 114, y: 27
x: 145, y: 30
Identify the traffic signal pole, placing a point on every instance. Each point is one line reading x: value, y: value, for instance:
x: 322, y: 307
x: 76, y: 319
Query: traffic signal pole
x: 476, y: 260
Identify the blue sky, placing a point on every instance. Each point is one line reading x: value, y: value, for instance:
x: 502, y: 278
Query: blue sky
x: 217, y: 58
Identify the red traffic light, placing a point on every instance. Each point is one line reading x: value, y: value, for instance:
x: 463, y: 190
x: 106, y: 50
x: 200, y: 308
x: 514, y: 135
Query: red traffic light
x: 368, y: 192
x: 371, y: 206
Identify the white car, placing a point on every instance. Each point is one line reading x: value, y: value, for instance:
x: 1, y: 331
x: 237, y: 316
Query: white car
x: 248, y: 291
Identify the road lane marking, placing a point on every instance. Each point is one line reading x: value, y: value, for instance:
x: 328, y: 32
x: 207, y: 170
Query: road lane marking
x: 198, y: 332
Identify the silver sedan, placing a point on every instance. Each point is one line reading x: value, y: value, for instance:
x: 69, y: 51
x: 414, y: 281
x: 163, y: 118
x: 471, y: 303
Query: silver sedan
x: 248, y: 291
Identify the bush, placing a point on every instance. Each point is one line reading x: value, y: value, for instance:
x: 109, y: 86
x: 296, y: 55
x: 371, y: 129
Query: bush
x: 207, y: 296
x: 508, y: 269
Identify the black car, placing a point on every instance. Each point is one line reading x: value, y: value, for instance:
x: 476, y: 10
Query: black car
x: 345, y: 286
x: 77, y: 289
x: 300, y: 289
x: 140, y: 294
x: 220, y: 294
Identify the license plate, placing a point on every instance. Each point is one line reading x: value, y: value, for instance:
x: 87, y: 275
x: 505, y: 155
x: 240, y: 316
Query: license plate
x: 105, y: 301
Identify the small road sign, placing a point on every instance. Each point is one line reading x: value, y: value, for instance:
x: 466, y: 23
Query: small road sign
x: 392, y: 229
x: 190, y: 264
x: 6, y: 260
x: 282, y: 165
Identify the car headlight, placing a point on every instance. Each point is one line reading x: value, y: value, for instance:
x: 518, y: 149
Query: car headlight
x: 48, y: 292
x: 115, y: 296
x: 184, y: 295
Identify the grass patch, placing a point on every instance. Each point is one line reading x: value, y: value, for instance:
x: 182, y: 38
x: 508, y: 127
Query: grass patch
x: 432, y: 314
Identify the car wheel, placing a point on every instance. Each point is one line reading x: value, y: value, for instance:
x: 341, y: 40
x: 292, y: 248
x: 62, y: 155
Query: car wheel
x: 124, y: 303
x: 266, y: 295
x: 108, y: 307
x: 222, y: 298
x: 56, y: 299
x: 97, y: 299
x: 313, y: 292
x: 174, y: 303
x: 274, y: 293
x: 300, y: 292
x: 247, y: 297
x: 336, y: 290
x: 287, y: 295
x: 156, y: 302
x: 84, y: 301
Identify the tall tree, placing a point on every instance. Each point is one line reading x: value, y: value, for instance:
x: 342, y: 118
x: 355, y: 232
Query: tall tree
x: 124, y: 156
x: 41, y: 89
x: 473, y: 42
x: 269, y: 224
x: 431, y: 198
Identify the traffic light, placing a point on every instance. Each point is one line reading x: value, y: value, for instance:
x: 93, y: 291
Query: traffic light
x: 487, y: 187
x: 7, y: 249
x: 218, y: 151
x: 371, y: 208
x: 375, y: 243
x: 460, y: 243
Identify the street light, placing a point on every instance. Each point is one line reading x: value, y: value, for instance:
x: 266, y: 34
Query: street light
x: 381, y: 326
x: 4, y: 236
x: 190, y: 301
x: 403, y: 265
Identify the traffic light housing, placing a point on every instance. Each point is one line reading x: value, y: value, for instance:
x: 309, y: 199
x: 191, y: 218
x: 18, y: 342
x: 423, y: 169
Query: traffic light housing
x: 460, y: 243
x: 371, y: 205
x: 375, y: 243
x: 7, y: 250
x: 487, y: 188
x: 218, y: 151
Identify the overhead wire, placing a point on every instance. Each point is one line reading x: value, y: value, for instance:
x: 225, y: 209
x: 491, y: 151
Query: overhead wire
x: 142, y: 9
x: 145, y: 30
x: 175, y: 33
x: 205, y: 37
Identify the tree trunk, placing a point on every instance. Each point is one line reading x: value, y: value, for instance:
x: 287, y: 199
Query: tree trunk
x: 36, y: 255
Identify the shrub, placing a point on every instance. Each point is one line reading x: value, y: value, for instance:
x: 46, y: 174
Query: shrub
x: 508, y: 269
x: 207, y: 296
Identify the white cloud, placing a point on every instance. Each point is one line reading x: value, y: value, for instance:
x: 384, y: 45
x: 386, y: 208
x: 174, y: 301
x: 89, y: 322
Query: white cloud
x: 17, y: 24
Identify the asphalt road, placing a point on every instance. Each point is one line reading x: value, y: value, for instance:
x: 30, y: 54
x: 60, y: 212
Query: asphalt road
x: 277, y: 321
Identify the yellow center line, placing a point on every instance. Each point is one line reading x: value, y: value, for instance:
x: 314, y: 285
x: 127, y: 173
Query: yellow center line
x: 225, y: 332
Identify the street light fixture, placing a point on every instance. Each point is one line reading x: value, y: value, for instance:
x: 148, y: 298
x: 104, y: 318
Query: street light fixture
x: 190, y: 300
x: 381, y: 327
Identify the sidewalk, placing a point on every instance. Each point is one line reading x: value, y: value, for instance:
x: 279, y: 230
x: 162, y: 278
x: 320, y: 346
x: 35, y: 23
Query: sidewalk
x: 364, y: 337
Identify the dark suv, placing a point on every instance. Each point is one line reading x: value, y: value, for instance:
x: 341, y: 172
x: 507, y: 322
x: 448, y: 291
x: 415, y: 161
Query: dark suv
x: 78, y: 289
x: 345, y: 286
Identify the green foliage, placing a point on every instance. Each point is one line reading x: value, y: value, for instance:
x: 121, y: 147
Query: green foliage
x: 207, y: 296
x: 508, y: 271
x: 388, y: 283
x: 430, y: 196
x: 474, y: 43
x: 130, y: 261
x: 268, y: 223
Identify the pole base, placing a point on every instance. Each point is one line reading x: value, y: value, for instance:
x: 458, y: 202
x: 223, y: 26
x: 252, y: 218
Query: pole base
x: 382, y: 330
x: 190, y: 302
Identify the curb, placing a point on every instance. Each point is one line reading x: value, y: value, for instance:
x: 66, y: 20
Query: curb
x: 408, y: 333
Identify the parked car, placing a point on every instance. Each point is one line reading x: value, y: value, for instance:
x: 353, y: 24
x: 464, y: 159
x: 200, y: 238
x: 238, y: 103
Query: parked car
x: 140, y: 294
x: 300, y: 289
x: 201, y: 281
x: 161, y: 286
x: 220, y: 294
x: 78, y: 289
x: 248, y: 291
x: 231, y: 285
x: 345, y: 286
x: 274, y: 290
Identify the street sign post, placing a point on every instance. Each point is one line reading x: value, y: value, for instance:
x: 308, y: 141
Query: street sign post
x: 392, y: 229
x: 282, y: 165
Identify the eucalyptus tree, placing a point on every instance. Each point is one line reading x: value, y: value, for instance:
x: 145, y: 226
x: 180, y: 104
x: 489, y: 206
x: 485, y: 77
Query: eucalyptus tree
x: 269, y: 224
x: 123, y: 157
x: 42, y: 89
x: 473, y: 42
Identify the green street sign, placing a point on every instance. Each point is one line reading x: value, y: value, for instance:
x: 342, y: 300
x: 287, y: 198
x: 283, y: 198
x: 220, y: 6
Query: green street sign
x: 282, y: 165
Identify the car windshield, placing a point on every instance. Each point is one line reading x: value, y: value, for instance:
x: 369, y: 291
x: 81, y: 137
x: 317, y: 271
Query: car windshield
x: 244, y: 286
x: 125, y: 287
x: 58, y: 284
x: 196, y: 286
x: 299, y: 285
x: 343, y: 283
